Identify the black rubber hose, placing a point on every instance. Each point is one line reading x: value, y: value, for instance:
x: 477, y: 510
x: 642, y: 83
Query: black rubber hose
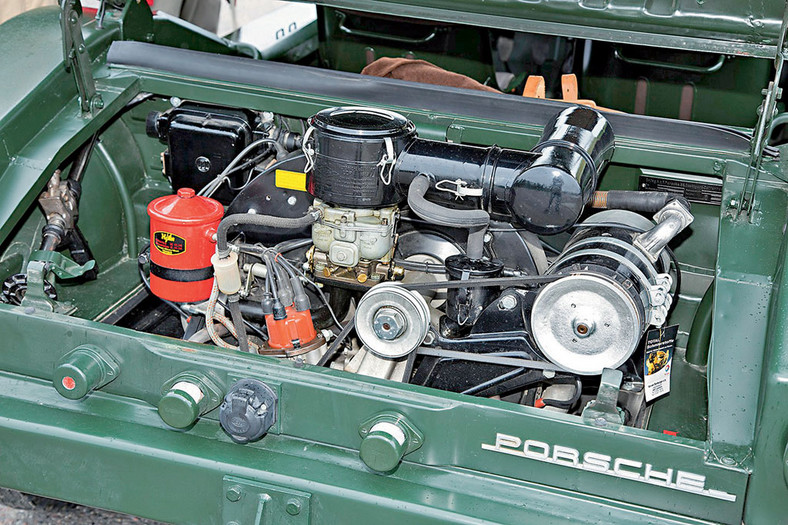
x: 567, y: 405
x: 266, y: 221
x: 336, y: 343
x: 476, y: 221
x: 637, y: 201
x: 238, y: 322
x: 700, y: 333
x: 81, y: 162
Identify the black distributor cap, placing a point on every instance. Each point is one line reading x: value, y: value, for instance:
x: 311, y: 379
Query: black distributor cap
x: 248, y: 411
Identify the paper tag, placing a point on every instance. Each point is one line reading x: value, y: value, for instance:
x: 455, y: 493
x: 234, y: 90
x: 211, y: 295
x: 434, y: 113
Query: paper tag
x: 660, y: 344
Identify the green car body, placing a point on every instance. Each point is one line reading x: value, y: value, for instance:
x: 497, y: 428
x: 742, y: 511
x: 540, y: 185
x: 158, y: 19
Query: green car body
x: 477, y: 460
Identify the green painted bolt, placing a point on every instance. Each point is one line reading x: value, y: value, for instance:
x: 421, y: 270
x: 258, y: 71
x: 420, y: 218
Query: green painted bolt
x: 84, y: 370
x: 234, y: 493
x: 383, y: 447
x: 293, y: 507
x: 180, y: 406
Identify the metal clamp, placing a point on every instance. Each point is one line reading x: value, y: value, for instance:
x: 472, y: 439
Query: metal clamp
x: 309, y: 151
x: 460, y: 188
x: 660, y: 299
x: 388, y: 160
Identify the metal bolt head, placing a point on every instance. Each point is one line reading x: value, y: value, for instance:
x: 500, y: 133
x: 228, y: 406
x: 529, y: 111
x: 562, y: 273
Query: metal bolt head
x: 233, y: 493
x: 507, y: 302
x: 293, y: 507
x: 203, y: 164
x: 727, y: 460
x: 600, y: 422
x: 389, y: 323
x: 583, y: 327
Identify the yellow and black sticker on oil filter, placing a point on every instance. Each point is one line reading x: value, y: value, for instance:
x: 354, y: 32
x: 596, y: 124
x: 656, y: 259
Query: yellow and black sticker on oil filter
x: 660, y: 345
x: 291, y: 180
x: 169, y: 243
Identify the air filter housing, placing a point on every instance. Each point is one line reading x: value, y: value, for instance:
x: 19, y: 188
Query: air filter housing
x: 353, y: 156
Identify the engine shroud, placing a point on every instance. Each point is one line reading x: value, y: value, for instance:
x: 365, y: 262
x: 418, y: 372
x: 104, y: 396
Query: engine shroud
x: 594, y: 317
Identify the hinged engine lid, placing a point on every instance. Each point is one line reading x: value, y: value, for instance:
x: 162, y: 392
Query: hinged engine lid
x: 731, y: 27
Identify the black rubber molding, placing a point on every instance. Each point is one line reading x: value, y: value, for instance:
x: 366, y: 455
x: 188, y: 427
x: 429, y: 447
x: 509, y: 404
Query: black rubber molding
x: 365, y: 89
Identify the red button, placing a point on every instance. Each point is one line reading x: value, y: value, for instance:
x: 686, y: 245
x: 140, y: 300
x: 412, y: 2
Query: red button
x: 69, y: 383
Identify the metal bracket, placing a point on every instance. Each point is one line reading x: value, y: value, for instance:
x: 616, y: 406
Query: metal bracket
x: 75, y: 55
x: 603, y: 410
x: 660, y: 297
x: 253, y: 503
x: 760, y: 135
x: 35, y: 296
x: 60, y: 265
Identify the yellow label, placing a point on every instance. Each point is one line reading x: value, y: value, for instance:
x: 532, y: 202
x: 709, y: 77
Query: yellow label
x: 291, y: 180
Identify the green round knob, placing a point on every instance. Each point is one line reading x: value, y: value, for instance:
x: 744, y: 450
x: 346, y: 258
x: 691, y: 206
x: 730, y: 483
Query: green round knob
x: 180, y: 406
x: 383, y: 447
x: 82, y: 371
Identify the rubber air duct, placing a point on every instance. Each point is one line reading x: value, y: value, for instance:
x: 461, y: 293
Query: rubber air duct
x: 367, y: 158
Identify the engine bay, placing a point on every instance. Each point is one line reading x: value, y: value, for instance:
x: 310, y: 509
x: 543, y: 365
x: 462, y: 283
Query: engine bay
x: 313, y: 286
x: 348, y: 241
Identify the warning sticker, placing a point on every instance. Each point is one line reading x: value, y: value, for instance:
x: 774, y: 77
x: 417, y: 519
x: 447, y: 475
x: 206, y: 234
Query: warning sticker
x: 660, y: 344
x: 169, y: 243
x: 290, y: 180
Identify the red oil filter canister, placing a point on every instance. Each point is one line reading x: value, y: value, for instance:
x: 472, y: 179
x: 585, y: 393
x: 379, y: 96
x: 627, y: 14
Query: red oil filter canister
x: 181, y: 236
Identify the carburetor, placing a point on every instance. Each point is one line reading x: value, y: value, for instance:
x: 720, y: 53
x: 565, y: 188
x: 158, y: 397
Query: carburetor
x: 350, y: 167
x: 353, y: 244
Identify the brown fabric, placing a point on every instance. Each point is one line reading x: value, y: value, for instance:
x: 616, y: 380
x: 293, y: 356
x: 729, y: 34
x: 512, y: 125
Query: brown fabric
x: 421, y: 71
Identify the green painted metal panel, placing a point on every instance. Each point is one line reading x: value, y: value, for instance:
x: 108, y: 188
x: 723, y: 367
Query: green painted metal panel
x: 749, y: 253
x: 731, y: 26
x: 125, y: 458
x: 180, y: 477
x: 321, y: 406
